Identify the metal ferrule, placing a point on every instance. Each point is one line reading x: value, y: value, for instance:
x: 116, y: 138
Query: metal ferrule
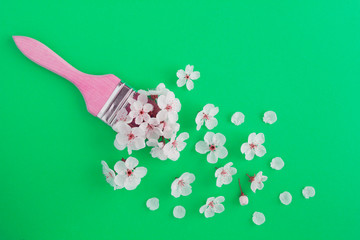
x: 118, y: 100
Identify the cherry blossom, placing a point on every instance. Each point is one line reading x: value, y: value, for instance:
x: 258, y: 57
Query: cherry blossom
x: 122, y: 117
x: 109, y: 174
x: 140, y: 108
x: 152, y: 128
x: 187, y: 77
x: 258, y: 218
x: 179, y: 212
x: 214, y: 144
x: 308, y: 192
x: 238, y: 118
x: 158, y: 149
x: 170, y: 106
x: 132, y: 138
x: 181, y: 185
x: 270, y: 117
x: 224, y: 174
x: 243, y: 199
x: 128, y: 174
x: 169, y: 129
x: 176, y: 144
x: 257, y: 181
x: 285, y: 198
x: 212, y: 206
x: 152, y: 203
x: 254, y: 146
x: 160, y: 90
x: 277, y: 163
x: 207, y: 116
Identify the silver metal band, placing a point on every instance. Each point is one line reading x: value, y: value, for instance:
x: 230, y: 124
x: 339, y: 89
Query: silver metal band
x: 117, y: 101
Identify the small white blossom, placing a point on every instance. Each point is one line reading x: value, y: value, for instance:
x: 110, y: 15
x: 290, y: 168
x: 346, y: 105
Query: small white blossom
x: 109, y: 174
x: 257, y: 182
x: 128, y: 175
x: 207, y: 115
x: 285, y: 198
x: 214, y: 143
x: 169, y: 129
x: 140, y: 108
x: 160, y: 90
x: 132, y: 138
x: 152, y: 203
x: 181, y: 185
x: 238, y: 118
x: 308, y: 192
x: 158, y: 149
x: 187, y: 77
x: 258, y: 218
x: 122, y: 117
x: 277, y: 163
x: 270, y: 117
x: 224, y: 174
x: 179, y: 212
x: 244, y: 200
x: 152, y: 128
x: 176, y: 144
x: 254, y: 146
x: 170, y: 106
x: 212, y: 206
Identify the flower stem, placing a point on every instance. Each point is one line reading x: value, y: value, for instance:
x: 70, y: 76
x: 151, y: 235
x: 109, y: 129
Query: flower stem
x: 240, y: 188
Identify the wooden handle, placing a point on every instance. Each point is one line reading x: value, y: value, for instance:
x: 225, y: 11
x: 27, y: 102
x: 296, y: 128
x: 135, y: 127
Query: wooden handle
x: 95, y: 89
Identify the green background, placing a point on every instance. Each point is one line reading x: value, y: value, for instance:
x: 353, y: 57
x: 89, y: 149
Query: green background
x: 298, y: 58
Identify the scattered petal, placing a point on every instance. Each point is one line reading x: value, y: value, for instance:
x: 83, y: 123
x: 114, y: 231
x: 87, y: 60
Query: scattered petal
x: 244, y: 200
x: 179, y: 212
x: 153, y: 203
x: 308, y: 192
x: 238, y: 118
x: 277, y: 163
x: 270, y: 117
x: 285, y: 198
x: 258, y: 218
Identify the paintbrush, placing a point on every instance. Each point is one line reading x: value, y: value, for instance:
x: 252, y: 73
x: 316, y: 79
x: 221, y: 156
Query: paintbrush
x: 105, y: 95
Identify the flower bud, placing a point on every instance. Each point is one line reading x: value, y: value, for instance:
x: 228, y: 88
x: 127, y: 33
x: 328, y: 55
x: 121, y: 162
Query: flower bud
x: 244, y: 200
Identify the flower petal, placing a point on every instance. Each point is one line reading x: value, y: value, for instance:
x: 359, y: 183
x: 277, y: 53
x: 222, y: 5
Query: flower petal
x: 202, y: 147
x: 131, y: 163
x: 211, y: 123
x: 258, y: 218
x: 219, y: 139
x: 270, y: 117
x: 181, y: 82
x: 244, y: 148
x: 120, y: 180
x: 140, y: 172
x: 285, y: 198
x: 209, y: 212
x: 189, y: 69
x: 219, y: 208
x: 251, y: 138
x: 189, y: 85
x: 238, y: 118
x: 212, y: 157
x: 221, y: 152
x: 277, y: 163
x: 180, y: 74
x: 209, y: 137
x: 131, y: 182
x: 188, y: 177
x: 195, y: 75
x: 308, y: 192
x: 152, y: 203
x: 259, y: 139
x: 260, y: 150
x: 120, y: 167
x: 179, y: 212
x: 249, y: 155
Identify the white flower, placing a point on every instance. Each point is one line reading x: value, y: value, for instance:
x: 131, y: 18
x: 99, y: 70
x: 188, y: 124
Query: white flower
x: 187, y: 77
x: 170, y: 106
x: 308, y: 192
x: 152, y: 128
x: 257, y: 181
x: 173, y: 148
x: 158, y: 149
x: 160, y: 90
x: 169, y: 129
x: 132, y: 138
x: 129, y: 176
x: 207, y: 115
x: 214, y: 144
x: 285, y: 198
x: 258, y: 218
x: 153, y: 203
x: 181, y: 185
x: 109, y: 174
x: 122, y: 117
x: 140, y: 108
x: 238, y: 118
x: 212, y: 206
x: 253, y: 146
x: 270, y: 117
x: 244, y: 200
x: 277, y: 163
x: 179, y: 212
x: 224, y: 174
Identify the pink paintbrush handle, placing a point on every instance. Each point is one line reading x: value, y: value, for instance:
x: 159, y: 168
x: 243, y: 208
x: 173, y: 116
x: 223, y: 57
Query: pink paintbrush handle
x: 96, y: 89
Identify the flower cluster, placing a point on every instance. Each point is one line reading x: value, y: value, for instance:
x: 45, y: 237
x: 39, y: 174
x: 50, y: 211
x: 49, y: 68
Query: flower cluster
x: 151, y: 119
